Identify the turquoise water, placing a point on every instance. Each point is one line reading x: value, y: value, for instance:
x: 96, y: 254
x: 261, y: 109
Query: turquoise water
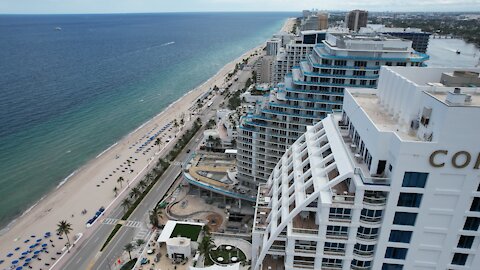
x: 68, y: 95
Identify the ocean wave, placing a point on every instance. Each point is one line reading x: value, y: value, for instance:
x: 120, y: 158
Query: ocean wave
x: 66, y: 179
x: 104, y: 151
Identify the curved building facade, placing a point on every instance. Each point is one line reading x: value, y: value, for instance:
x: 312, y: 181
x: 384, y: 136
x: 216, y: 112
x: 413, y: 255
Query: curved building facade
x: 391, y: 182
x: 314, y: 89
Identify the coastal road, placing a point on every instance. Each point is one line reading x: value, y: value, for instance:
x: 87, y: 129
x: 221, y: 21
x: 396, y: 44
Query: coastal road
x: 87, y: 255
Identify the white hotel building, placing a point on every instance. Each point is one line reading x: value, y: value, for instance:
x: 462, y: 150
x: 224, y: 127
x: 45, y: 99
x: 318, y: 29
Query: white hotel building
x: 390, y: 183
x: 311, y: 91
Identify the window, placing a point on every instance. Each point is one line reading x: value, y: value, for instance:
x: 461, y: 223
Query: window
x: 475, y: 205
x: 409, y: 199
x: 459, y: 259
x: 404, y: 218
x: 414, y: 179
x: 465, y: 241
x: 396, y: 253
x: 392, y: 266
x: 471, y: 224
x: 400, y: 236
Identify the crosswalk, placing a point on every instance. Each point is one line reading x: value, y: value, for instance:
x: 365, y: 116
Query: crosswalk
x: 110, y: 221
x: 142, y: 234
x: 133, y: 224
x: 127, y: 223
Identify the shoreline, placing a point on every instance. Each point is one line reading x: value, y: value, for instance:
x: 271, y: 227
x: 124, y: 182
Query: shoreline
x: 81, y: 190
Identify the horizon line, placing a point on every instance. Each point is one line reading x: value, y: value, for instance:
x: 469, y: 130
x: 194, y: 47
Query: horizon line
x: 229, y: 11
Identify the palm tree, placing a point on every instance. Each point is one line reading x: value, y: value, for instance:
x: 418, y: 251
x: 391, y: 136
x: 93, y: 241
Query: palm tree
x: 175, y: 124
x: 153, y: 219
x: 115, y: 191
x: 129, y: 248
x: 158, y: 141
x: 142, y: 184
x: 120, y: 180
x: 126, y: 203
x: 206, y: 245
x: 139, y: 242
x: 135, y: 192
x: 63, y: 227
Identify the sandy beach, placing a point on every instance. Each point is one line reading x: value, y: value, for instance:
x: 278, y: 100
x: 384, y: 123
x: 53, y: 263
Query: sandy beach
x: 91, y: 187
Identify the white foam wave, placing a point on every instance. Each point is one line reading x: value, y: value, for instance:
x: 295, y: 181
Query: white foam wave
x: 104, y: 151
x: 168, y: 43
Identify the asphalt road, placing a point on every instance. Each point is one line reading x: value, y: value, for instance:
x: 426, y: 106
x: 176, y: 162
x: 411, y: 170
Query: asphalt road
x: 86, y: 254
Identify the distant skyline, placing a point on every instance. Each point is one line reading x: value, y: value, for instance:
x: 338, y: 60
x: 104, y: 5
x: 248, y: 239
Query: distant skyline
x: 145, y: 6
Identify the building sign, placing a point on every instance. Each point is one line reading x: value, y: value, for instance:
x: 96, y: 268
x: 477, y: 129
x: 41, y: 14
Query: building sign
x: 459, y: 160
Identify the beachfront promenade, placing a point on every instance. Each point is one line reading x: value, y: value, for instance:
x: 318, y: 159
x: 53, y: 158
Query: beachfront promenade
x: 86, y: 256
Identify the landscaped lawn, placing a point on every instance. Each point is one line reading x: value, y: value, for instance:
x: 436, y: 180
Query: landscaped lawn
x: 187, y: 230
x: 226, y: 254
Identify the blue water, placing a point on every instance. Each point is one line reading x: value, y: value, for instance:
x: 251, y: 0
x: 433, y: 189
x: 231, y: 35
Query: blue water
x: 67, y: 95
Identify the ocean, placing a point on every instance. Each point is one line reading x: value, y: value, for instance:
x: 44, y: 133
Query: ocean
x: 73, y: 85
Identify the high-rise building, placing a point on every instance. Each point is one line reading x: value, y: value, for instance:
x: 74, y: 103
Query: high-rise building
x: 263, y: 69
x: 273, y: 45
x: 419, y: 38
x: 315, y: 21
x: 392, y: 182
x: 297, y: 50
x: 313, y: 89
x: 356, y: 19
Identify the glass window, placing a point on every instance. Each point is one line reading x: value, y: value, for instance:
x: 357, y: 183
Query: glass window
x: 396, y: 253
x: 459, y: 259
x: 465, y: 241
x: 392, y: 266
x: 475, y: 205
x: 414, y: 179
x: 400, y: 236
x: 404, y: 218
x: 409, y: 199
x: 471, y: 224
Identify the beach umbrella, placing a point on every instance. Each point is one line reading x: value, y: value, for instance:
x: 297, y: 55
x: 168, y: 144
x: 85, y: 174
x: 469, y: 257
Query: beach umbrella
x: 39, y: 240
x: 25, y: 264
x: 32, y: 246
x: 19, y: 268
x: 1, y: 261
x: 15, y: 262
x: 32, y: 236
x: 37, y: 252
x: 44, y: 245
x: 9, y: 255
x: 28, y: 259
x: 26, y: 241
x: 24, y: 253
x: 17, y: 248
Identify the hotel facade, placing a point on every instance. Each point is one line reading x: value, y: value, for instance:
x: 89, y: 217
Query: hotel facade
x: 313, y: 89
x: 391, y: 182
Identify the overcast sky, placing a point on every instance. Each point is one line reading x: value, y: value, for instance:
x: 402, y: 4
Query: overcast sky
x: 132, y: 6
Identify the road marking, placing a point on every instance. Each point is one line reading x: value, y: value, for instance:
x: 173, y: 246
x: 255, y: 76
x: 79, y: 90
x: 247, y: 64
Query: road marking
x: 110, y: 221
x: 133, y: 224
x: 118, y: 238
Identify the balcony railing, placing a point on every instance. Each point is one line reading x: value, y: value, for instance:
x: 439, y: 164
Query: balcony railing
x: 304, y: 231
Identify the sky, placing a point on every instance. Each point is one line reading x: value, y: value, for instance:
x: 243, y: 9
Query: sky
x: 134, y: 6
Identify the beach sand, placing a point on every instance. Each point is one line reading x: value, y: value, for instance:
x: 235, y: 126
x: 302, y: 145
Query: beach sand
x: 91, y: 187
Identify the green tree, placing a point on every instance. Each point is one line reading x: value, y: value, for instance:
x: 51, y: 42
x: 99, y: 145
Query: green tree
x: 206, y: 245
x: 139, y: 242
x: 143, y: 184
x: 126, y: 203
x: 120, y: 180
x: 129, y: 248
x: 135, y: 193
x: 63, y: 227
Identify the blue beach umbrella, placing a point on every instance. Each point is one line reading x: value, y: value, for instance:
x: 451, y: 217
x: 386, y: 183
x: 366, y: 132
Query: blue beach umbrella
x: 44, y: 245
x: 25, y: 264
x: 2, y: 261
x: 19, y: 268
x: 17, y: 248
x: 37, y: 252
x: 24, y: 253
x: 32, y: 236
x: 9, y: 255
x: 26, y: 241
x: 32, y: 246
x: 28, y: 259
x: 15, y: 262
x: 39, y: 240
